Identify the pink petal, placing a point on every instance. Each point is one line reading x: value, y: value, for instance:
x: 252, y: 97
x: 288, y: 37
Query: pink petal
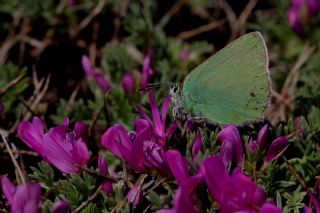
x: 314, y: 201
x: 164, y: 110
x: 184, y: 54
x: 276, y: 148
x: 107, y: 188
x: 192, y: 182
x: 154, y: 154
x: 270, y: 208
x: 307, y: 209
x: 182, y: 201
x: 197, y: 145
x: 166, y: 211
x: 116, y: 141
x: 134, y: 195
x: 1, y: 108
x: 159, y: 128
x: 58, y: 154
x: 86, y: 65
x: 141, y: 125
x: 102, y: 81
x: 147, y: 71
x: 82, y: 130
x: 31, y: 134
x: 259, y: 197
x: 137, y: 159
x: 230, y: 133
x: 252, y: 147
x: 127, y: 83
x: 8, y: 189
x: 173, y: 126
x: 72, y: 3
x: 80, y: 153
x: 226, y: 153
x: 26, y: 198
x: 262, y: 137
x: 215, y: 175
x: 144, y: 115
x: 178, y: 165
x: 103, y: 167
x: 60, y: 206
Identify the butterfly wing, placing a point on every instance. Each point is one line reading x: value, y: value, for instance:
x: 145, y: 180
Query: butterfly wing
x: 233, y: 85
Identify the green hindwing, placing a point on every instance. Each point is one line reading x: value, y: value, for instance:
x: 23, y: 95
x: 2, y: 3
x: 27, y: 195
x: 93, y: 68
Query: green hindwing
x: 233, y: 85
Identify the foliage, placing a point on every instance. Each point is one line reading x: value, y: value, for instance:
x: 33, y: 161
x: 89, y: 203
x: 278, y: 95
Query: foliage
x: 120, y: 38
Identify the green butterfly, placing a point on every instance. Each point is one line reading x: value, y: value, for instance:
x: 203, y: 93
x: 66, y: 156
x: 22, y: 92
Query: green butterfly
x: 232, y: 86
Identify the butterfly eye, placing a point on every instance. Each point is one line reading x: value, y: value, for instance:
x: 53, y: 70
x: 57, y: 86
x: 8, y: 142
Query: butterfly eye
x: 175, y: 89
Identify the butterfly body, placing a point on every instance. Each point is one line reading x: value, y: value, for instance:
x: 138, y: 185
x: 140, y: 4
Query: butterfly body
x: 231, y: 86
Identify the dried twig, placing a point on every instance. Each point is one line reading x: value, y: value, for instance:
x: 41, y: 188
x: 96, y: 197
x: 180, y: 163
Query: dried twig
x: 243, y: 17
x: 230, y: 15
x: 99, y: 174
x: 284, y: 100
x: 117, y: 20
x: 175, y: 8
x: 11, y: 84
x: 24, y: 152
x: 12, y: 39
x: 84, y: 23
x: 40, y: 91
x: 86, y: 202
x: 21, y: 177
x: 96, y: 116
x: 237, y: 25
x: 295, y: 174
x: 72, y: 98
x: 202, y: 29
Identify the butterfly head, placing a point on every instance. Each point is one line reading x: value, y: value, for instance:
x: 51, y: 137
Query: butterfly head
x: 174, y: 90
x: 175, y: 93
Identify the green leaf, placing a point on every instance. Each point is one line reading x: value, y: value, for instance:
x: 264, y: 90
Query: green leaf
x: 90, y: 208
x: 44, y: 175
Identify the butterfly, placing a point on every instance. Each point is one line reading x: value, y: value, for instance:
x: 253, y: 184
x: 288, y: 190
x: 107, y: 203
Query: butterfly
x: 230, y: 87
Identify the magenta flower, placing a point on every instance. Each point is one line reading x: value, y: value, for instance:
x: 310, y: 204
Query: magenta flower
x: 230, y: 134
x: 32, y: 135
x: 235, y: 192
x: 95, y: 74
x: 269, y: 208
x: 300, y: 12
x: 226, y: 153
x: 307, y: 209
x: 314, y: 201
x: 128, y: 82
x: 140, y: 149
x: 134, y: 196
x: 1, y: 108
x: 185, y: 197
x: 143, y: 149
x: 276, y: 148
x: 22, y: 198
x: 103, y: 167
x: 184, y: 54
x: 147, y: 71
x: 159, y: 122
x: 72, y: 3
x: 65, y: 150
x: 197, y: 146
x: 178, y: 165
x: 61, y: 206
x: 260, y: 143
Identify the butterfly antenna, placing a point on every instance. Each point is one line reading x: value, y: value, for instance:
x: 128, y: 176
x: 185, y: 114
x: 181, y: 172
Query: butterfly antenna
x: 157, y: 85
